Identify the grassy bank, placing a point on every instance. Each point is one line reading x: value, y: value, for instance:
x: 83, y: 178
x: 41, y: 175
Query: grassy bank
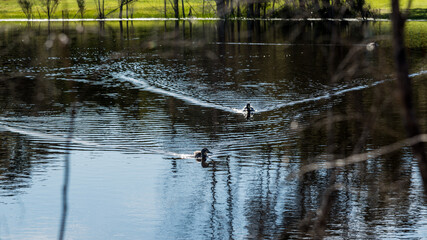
x: 155, y: 8
x: 418, y: 9
x: 141, y: 9
x: 385, y: 5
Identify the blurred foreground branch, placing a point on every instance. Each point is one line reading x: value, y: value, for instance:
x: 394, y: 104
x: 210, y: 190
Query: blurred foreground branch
x: 405, y: 88
x: 67, y: 174
x: 415, y: 138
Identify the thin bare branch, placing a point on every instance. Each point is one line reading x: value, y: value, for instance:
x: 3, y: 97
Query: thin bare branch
x: 124, y: 3
x: 356, y: 158
x: 405, y: 89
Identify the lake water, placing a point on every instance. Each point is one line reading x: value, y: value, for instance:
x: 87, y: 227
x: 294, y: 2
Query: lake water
x: 147, y: 94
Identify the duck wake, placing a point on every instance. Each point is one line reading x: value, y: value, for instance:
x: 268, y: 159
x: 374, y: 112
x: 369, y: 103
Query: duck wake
x: 335, y: 93
x: 143, y: 85
x: 85, y: 145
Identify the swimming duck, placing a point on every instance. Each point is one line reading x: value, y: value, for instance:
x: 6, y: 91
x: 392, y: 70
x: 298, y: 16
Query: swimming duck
x: 201, y: 155
x: 248, y: 108
x: 371, y: 46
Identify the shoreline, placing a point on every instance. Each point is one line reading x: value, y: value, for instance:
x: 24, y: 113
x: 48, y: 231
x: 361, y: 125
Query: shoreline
x: 203, y: 19
x: 198, y: 19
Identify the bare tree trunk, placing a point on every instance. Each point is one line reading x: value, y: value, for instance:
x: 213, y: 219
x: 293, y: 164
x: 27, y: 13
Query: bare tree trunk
x: 121, y: 9
x: 258, y: 9
x: 176, y: 8
x: 405, y: 89
x: 316, y: 4
x: 274, y: 3
x: 165, y: 9
x: 250, y: 10
x: 239, y: 13
x: 48, y: 10
x: 183, y: 9
x: 302, y: 4
x: 220, y: 8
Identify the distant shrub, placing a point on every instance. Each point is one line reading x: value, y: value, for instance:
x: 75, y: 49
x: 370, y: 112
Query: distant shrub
x: 346, y: 9
x: 285, y: 12
x: 340, y: 9
x: 27, y: 7
x: 49, y: 7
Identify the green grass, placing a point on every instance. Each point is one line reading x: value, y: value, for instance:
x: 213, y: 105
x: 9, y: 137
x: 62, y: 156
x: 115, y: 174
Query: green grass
x: 141, y: 9
x: 417, y: 10
x: 155, y: 8
x: 385, y: 5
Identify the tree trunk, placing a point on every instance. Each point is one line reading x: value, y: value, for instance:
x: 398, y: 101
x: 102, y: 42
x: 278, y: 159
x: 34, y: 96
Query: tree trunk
x: 258, y: 9
x: 220, y: 8
x: 316, y: 4
x: 274, y: 3
x: 405, y: 89
x: 250, y: 10
x: 176, y: 8
x: 121, y: 9
x: 302, y: 4
x: 183, y: 9
x: 48, y: 10
x: 165, y: 8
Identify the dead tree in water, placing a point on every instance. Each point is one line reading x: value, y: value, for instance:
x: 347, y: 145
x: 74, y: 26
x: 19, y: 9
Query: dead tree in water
x: 405, y: 89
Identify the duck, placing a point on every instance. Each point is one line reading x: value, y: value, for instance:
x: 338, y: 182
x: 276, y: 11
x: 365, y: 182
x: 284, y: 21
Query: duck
x: 201, y: 155
x: 248, y: 108
x: 371, y: 46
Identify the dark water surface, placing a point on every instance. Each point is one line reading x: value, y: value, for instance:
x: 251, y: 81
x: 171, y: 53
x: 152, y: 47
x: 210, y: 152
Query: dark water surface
x: 149, y: 93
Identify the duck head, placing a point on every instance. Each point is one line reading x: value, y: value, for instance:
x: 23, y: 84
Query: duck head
x: 205, y: 151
